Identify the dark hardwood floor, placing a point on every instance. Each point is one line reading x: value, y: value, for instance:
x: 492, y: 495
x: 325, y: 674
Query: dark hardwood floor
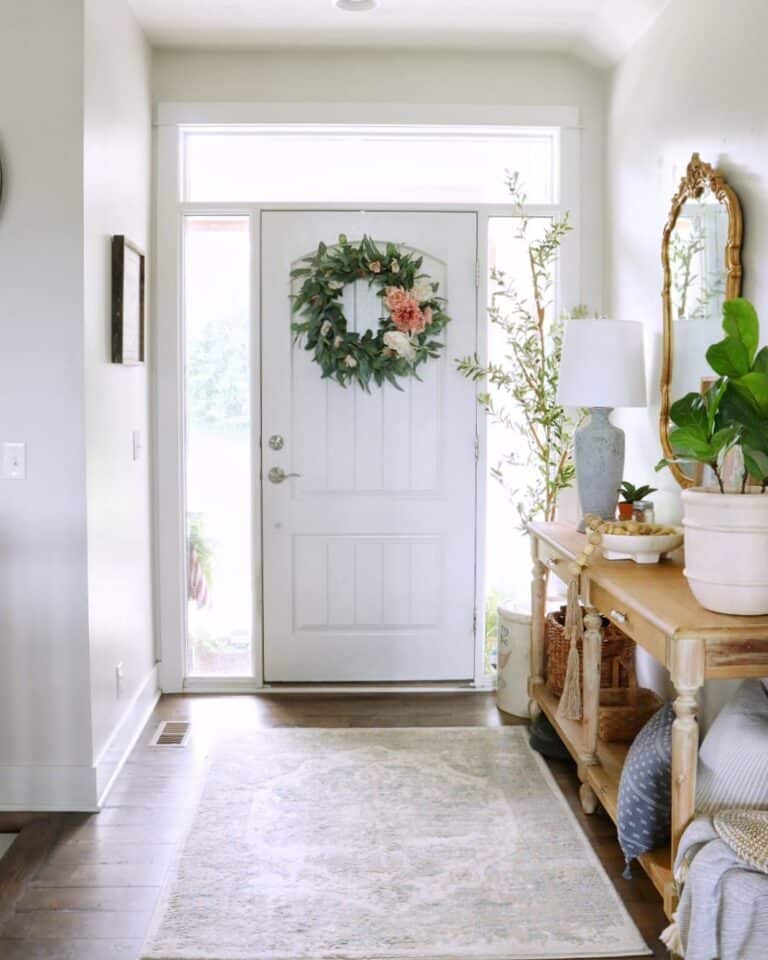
x: 77, y: 887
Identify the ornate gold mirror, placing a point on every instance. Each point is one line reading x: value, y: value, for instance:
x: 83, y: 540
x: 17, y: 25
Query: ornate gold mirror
x: 701, y: 257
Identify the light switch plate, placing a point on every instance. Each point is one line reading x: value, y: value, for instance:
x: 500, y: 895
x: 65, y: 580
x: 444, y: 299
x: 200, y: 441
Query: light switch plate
x: 14, y: 461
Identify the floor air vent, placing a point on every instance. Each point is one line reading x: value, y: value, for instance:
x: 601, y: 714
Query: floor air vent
x: 171, y: 733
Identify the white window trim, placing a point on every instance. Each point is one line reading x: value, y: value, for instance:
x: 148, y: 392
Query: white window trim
x: 225, y: 114
x: 166, y: 359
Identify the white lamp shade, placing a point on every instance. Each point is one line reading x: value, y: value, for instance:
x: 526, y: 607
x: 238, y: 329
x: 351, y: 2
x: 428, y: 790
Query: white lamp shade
x: 603, y: 364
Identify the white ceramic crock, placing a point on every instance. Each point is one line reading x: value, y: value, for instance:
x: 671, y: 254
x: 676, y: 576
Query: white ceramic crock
x: 726, y: 550
x: 513, y: 659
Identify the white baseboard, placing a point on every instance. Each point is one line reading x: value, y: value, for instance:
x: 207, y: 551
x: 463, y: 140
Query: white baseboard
x: 118, y: 747
x: 48, y: 789
x: 78, y: 788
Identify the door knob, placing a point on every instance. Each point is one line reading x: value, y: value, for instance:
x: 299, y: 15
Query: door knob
x: 278, y: 475
x: 276, y: 442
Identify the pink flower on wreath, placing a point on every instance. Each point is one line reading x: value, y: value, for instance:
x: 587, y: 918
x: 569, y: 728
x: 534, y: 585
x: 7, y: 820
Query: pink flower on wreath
x: 396, y: 297
x: 408, y: 317
x: 404, y: 308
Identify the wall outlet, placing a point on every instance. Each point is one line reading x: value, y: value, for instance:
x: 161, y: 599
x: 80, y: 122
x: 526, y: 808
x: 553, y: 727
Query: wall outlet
x: 119, y: 677
x: 14, y: 461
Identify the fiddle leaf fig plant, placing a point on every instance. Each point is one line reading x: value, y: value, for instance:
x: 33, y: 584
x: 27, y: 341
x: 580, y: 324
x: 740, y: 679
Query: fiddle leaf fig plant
x: 733, y: 412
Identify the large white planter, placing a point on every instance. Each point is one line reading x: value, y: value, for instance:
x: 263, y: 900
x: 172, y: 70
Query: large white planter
x: 726, y: 550
x: 513, y: 659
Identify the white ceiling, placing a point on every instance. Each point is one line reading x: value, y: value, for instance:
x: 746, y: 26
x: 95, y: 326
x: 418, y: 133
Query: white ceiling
x: 602, y: 30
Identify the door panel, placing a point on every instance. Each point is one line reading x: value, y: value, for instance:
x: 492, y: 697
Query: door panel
x: 369, y: 555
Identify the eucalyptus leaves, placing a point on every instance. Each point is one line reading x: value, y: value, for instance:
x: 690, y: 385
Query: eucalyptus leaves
x: 412, y: 313
x: 733, y: 413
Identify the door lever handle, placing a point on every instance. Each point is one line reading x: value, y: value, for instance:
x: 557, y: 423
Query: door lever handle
x: 278, y: 475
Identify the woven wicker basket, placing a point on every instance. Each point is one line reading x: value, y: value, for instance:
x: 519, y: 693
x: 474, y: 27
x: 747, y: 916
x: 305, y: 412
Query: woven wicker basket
x: 618, y: 662
x: 624, y: 712
x: 746, y: 833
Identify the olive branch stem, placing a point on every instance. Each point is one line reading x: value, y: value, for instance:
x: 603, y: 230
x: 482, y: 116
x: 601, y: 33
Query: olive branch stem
x: 521, y: 390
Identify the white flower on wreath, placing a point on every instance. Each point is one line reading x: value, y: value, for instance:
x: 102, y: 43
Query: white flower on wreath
x: 335, y: 284
x: 422, y: 290
x: 338, y: 342
x: 395, y: 266
x: 350, y: 361
x: 401, y: 344
x: 326, y: 328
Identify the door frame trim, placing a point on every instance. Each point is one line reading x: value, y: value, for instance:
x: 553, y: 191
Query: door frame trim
x: 174, y: 114
x: 168, y: 418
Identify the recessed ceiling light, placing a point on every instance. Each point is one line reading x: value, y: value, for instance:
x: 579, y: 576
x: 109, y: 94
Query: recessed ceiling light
x: 356, y: 6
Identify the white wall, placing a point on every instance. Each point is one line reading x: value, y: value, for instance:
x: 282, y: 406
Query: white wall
x: 44, y: 702
x: 117, y: 201
x: 74, y: 536
x: 410, y: 77
x: 695, y: 82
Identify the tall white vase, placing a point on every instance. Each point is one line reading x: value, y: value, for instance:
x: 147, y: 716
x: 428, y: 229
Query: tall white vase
x: 513, y: 659
x: 726, y: 550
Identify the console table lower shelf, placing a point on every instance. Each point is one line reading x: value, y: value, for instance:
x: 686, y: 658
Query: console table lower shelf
x: 603, y: 779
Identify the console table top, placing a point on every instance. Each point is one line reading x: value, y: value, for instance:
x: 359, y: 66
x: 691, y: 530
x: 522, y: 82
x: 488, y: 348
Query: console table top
x: 659, y: 592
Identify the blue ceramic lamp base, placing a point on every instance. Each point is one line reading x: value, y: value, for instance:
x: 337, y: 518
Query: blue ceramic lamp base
x: 599, y: 461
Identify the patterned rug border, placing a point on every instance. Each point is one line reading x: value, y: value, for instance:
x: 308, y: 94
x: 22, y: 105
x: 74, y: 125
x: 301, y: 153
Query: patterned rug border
x: 591, y: 854
x: 519, y: 732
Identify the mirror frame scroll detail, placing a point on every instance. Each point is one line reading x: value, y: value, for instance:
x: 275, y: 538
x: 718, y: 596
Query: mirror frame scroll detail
x: 699, y: 177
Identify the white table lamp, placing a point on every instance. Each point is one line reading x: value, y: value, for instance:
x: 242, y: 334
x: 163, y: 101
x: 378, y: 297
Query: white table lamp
x: 602, y: 367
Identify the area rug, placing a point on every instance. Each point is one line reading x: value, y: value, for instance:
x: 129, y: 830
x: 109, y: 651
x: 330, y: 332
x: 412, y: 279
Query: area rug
x: 386, y: 844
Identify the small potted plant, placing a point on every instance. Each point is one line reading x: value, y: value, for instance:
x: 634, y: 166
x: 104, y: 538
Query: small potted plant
x: 630, y: 496
x: 726, y: 528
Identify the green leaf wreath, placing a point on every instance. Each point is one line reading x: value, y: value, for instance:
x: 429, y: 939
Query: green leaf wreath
x: 412, y: 313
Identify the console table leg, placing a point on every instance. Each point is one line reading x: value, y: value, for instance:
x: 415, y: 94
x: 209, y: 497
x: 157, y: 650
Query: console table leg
x: 593, y: 655
x: 588, y: 799
x: 539, y: 574
x: 687, y: 670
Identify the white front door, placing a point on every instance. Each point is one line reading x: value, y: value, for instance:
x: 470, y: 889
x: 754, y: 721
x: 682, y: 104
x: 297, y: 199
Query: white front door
x: 369, y: 554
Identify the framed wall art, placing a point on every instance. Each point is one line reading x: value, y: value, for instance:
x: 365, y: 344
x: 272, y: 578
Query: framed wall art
x: 128, y: 302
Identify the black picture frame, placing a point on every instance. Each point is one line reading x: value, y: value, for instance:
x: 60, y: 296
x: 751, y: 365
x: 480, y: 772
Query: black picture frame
x: 128, y: 302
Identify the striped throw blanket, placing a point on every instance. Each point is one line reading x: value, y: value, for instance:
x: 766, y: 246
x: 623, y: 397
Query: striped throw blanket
x: 723, y: 909
x: 733, y: 760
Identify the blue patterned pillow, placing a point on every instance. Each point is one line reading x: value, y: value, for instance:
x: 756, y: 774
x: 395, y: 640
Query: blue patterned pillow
x: 645, y: 789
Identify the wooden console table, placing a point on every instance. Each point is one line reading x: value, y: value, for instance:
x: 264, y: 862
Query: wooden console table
x: 655, y: 607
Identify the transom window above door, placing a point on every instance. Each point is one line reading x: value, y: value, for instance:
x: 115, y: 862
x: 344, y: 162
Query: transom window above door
x: 372, y: 164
